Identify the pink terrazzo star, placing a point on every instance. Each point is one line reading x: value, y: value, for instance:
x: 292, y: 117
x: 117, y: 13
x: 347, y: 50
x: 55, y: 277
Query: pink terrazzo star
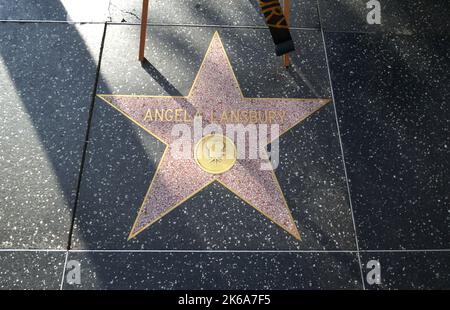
x: 215, y: 89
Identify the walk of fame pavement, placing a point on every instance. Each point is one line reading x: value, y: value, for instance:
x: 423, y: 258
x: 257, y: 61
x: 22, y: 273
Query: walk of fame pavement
x: 87, y: 177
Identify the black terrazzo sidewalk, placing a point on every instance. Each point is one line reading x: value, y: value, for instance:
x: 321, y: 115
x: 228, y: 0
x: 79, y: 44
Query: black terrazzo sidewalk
x: 366, y: 177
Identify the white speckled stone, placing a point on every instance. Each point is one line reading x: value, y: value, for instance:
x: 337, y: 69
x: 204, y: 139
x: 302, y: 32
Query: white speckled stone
x: 47, y: 73
x: 303, y: 13
x: 217, y: 271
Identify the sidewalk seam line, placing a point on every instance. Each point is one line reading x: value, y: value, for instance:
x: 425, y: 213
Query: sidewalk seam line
x: 344, y: 166
x: 86, y: 141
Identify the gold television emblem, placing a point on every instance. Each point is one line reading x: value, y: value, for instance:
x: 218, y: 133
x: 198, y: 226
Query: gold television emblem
x: 215, y: 153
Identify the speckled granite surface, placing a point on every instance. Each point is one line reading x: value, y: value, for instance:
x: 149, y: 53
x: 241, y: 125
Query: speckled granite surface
x: 365, y: 177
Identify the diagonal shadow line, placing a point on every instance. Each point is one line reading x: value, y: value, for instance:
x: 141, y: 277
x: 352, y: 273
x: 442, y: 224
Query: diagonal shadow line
x: 160, y: 78
x: 299, y: 77
x: 168, y: 87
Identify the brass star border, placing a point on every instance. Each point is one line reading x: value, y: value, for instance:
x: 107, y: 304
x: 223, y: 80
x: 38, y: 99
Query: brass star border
x: 110, y: 98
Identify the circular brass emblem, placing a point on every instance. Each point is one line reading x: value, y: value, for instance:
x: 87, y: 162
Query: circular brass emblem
x: 215, y: 153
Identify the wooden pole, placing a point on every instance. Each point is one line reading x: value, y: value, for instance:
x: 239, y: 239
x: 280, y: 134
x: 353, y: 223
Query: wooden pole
x: 144, y: 18
x: 286, y: 60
